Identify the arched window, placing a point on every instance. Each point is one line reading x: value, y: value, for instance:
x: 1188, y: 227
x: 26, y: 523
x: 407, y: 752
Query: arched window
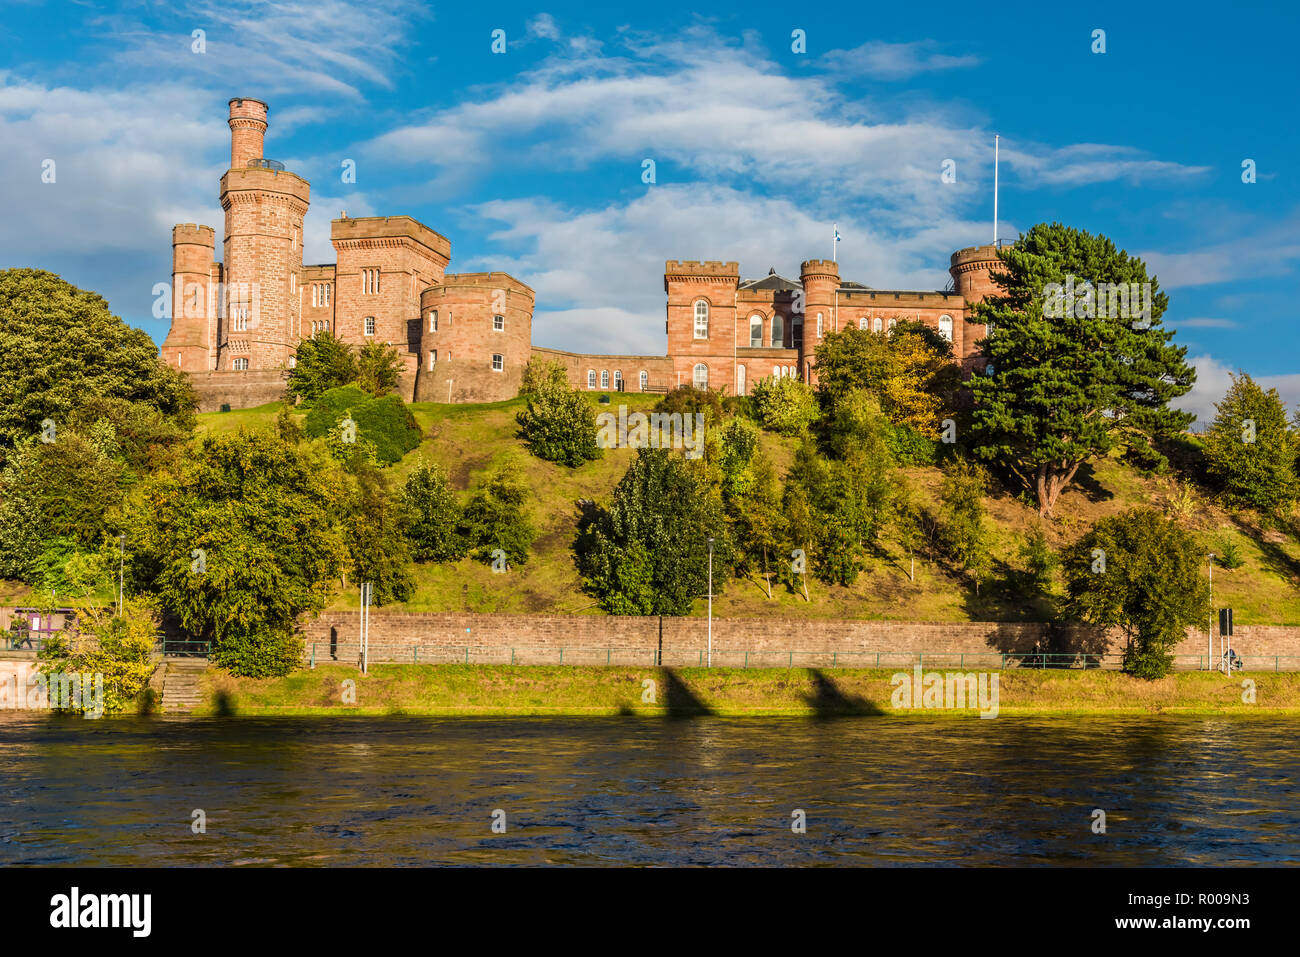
x: 433, y: 358
x: 701, y: 319
x: 878, y: 325
x: 755, y: 332
x: 778, y: 330
x: 591, y: 378
x: 700, y: 378
x: 293, y: 362
x: 892, y: 323
x: 604, y: 378
x: 740, y: 380
x: 645, y: 380
x: 820, y: 328
x: 863, y: 322
x: 776, y: 372
x: 945, y: 327
x: 618, y: 380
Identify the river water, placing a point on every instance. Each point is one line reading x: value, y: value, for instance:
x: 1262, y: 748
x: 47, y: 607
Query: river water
x: 632, y: 791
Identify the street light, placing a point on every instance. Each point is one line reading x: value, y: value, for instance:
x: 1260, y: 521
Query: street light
x: 710, y: 601
x: 121, y: 569
x: 1209, y: 643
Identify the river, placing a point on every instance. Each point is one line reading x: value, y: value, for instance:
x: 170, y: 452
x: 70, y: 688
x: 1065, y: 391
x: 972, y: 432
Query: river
x: 633, y: 791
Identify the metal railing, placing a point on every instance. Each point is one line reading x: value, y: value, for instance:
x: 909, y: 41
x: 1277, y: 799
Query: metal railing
x: 348, y: 652
x: 183, y: 647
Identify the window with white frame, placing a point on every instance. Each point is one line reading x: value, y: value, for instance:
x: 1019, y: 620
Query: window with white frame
x: 293, y: 283
x: 604, y: 378
x: 618, y: 380
x: 645, y: 380
x: 498, y: 362
x: 755, y: 331
x: 892, y: 323
x: 241, y: 365
x: 370, y: 325
x: 776, y: 372
x: 863, y: 322
x: 778, y: 330
x: 433, y: 320
x: 821, y: 329
x: 498, y: 323
x: 945, y: 327
x: 370, y: 282
x: 740, y: 380
x: 433, y: 358
x: 700, y: 376
x: 239, y: 318
x: 591, y: 378
x: 878, y: 325
x: 701, y: 320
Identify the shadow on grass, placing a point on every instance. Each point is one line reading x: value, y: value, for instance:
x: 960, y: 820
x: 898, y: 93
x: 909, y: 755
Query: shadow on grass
x: 679, y: 700
x: 223, y: 704
x: 828, y: 700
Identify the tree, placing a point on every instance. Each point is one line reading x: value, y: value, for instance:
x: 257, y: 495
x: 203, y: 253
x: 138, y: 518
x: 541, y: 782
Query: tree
x: 60, y: 348
x: 1141, y: 572
x: 759, y: 521
x: 1250, y: 452
x: 379, y: 368
x: 237, y: 541
x: 784, y: 405
x: 964, y: 530
x: 540, y: 374
x: 495, y: 519
x: 647, y: 552
x: 559, y: 425
x: 384, y: 424
x: 119, y: 647
x: 431, y: 515
x: 1070, y: 377
x: 910, y: 371
x: 321, y: 363
x: 378, y: 552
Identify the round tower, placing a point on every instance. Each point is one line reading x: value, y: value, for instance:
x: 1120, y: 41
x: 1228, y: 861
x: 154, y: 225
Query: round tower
x: 821, y: 282
x: 971, y: 269
x: 475, y: 338
x: 190, y: 340
x: 247, y: 130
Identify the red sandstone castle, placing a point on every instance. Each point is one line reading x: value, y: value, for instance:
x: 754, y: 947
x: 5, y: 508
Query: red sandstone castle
x: 466, y: 337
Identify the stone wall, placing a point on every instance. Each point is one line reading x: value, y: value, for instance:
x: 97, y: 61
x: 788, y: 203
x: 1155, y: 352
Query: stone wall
x: 241, y: 390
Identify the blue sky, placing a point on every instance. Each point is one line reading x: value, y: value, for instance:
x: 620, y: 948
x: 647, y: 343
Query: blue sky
x: 531, y: 161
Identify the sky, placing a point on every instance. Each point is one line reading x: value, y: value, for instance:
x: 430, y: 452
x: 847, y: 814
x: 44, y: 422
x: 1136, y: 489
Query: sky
x: 533, y: 160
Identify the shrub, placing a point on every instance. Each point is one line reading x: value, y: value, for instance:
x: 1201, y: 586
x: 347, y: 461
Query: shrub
x: 494, y: 518
x: 321, y: 363
x: 540, y: 374
x: 379, y: 368
x: 559, y: 426
x: 385, y: 423
x: 119, y: 647
x: 431, y: 515
x: 784, y: 405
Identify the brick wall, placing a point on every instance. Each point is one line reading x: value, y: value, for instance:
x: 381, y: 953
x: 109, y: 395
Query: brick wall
x: 241, y: 390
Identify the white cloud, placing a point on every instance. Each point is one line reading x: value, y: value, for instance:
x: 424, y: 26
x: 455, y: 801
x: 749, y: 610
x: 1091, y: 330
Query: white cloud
x: 1213, y: 379
x: 1205, y: 323
x: 896, y: 61
x: 1269, y: 251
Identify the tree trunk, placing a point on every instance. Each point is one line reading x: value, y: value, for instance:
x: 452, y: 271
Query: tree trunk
x: 767, y: 578
x: 1052, y: 479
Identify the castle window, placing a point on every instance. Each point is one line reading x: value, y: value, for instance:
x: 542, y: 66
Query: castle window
x: 878, y: 325
x: 755, y: 332
x: 700, y: 377
x: 701, y: 320
x: 796, y: 331
x: 293, y: 362
x: 945, y: 327
x: 370, y: 325
x: 293, y: 283
x: 863, y: 322
x: 604, y: 378
x: 778, y: 330
x: 325, y: 294
x: 315, y: 294
x: 433, y: 320
x: 892, y: 323
x: 591, y: 378
x: 241, y: 365
x: 498, y: 323
x: 240, y: 318
x: 820, y: 326
x: 740, y: 380
x: 498, y: 362
x: 618, y: 380
x: 776, y: 372
x: 370, y: 282
x: 645, y: 380
x: 433, y: 358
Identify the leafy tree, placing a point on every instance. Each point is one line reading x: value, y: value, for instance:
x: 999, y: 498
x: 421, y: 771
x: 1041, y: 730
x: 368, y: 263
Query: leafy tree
x: 739, y: 443
x: 663, y: 511
x: 541, y: 374
x: 495, y: 517
x: 60, y: 348
x: 379, y: 368
x: 688, y: 400
x: 1250, y: 453
x: 385, y: 424
x: 378, y: 552
x: 784, y: 405
x: 119, y: 647
x: 759, y: 521
x: 321, y: 363
x: 1141, y: 572
x: 1063, y: 389
x: 431, y: 515
x: 559, y: 425
x: 237, y: 541
x: 910, y: 371
x: 964, y: 530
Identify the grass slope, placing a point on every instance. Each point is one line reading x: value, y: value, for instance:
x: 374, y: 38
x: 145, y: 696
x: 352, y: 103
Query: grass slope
x: 467, y: 440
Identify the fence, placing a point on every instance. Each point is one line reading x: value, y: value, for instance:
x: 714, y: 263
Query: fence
x: 433, y: 654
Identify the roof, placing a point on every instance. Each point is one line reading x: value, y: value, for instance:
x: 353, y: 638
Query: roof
x: 771, y: 281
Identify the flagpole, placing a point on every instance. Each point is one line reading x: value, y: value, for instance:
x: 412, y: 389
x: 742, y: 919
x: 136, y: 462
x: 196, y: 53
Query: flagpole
x: 995, y: 190
x: 835, y: 242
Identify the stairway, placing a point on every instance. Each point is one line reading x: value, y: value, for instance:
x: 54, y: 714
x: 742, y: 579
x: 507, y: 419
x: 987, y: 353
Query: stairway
x: 181, y: 692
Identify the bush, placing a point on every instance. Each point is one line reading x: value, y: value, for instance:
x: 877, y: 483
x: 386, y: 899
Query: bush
x: 118, y: 647
x: 559, y: 426
x: 785, y: 406
x: 964, y: 532
x: 688, y: 399
x: 379, y: 368
x: 495, y: 518
x: 431, y: 515
x: 385, y: 423
x: 540, y: 374
x: 273, y: 653
x: 377, y: 548
x: 321, y: 363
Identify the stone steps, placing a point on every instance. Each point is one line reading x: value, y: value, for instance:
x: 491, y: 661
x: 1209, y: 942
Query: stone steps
x: 181, y: 692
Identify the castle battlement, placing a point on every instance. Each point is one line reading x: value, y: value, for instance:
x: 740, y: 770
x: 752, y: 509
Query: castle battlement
x: 691, y: 267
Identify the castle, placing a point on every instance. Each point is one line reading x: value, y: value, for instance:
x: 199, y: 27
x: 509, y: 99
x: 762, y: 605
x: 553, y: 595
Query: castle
x: 466, y: 337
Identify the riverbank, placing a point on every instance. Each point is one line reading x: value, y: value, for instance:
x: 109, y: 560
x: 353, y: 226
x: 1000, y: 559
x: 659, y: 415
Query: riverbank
x: 503, y: 690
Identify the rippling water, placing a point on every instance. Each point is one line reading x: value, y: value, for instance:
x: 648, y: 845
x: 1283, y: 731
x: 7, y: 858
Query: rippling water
x: 393, y: 791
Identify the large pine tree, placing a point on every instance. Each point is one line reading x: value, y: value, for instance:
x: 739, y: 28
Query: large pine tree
x: 1071, y: 381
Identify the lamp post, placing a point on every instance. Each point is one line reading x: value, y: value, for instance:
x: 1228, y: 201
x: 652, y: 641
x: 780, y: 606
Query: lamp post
x: 121, y: 570
x: 710, y: 601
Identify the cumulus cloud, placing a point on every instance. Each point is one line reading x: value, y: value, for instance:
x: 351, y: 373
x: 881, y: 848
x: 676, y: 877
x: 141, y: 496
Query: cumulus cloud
x: 1214, y: 378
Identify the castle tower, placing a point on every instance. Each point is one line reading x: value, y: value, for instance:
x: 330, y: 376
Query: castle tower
x: 971, y: 270
x: 703, y: 334
x: 821, y: 283
x: 191, y: 341
x: 264, y: 206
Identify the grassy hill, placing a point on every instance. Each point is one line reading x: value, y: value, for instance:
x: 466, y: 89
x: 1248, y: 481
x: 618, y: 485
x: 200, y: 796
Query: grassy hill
x: 467, y: 440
